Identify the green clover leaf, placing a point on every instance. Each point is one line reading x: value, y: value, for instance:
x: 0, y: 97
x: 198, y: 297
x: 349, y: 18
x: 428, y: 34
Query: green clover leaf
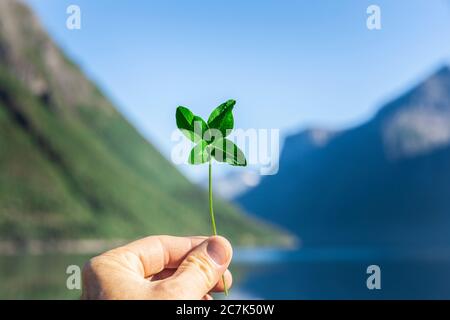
x: 222, y: 118
x: 200, y: 153
x: 225, y: 150
x: 192, y: 126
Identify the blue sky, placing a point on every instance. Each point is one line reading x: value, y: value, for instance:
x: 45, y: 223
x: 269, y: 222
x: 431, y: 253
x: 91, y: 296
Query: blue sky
x: 289, y: 64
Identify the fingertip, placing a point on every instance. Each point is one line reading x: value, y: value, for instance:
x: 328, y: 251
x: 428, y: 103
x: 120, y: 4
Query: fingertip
x: 220, y: 286
x: 220, y: 250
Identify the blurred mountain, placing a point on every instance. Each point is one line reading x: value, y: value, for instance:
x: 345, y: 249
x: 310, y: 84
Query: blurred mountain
x: 71, y: 166
x: 385, y: 182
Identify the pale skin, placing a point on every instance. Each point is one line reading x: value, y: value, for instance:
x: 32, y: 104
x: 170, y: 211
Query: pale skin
x: 160, y: 267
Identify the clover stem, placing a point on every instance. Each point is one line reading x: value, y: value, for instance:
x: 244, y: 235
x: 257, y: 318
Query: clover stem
x: 211, y: 210
x: 213, y: 220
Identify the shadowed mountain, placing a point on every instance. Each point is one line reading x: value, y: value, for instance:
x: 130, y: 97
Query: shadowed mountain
x: 71, y: 166
x: 384, y: 182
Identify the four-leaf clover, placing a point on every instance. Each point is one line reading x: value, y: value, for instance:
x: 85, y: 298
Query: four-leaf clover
x: 211, y: 142
x: 210, y: 137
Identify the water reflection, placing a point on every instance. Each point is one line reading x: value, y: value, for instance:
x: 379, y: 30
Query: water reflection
x: 341, y: 273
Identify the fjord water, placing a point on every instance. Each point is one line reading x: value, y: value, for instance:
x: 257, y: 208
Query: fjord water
x: 342, y: 273
x: 269, y: 274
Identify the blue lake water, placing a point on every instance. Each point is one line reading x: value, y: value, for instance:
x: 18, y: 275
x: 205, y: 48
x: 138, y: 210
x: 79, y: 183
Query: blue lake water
x: 342, y: 274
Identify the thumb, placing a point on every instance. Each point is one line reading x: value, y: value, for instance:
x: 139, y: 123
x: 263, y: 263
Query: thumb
x: 201, y: 269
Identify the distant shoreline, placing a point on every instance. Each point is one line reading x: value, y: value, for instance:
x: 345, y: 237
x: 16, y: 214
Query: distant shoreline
x: 83, y: 246
x: 41, y: 247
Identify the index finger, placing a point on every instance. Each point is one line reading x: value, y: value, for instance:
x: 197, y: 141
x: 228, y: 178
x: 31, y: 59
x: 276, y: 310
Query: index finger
x: 150, y: 255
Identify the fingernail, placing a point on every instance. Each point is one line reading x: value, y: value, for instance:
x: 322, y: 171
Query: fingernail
x: 217, y: 251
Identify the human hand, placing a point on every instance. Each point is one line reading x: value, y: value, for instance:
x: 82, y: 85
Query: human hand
x: 160, y: 267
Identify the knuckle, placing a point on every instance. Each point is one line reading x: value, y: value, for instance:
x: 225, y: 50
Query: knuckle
x: 95, y: 263
x: 203, y: 267
x: 94, y: 266
x: 91, y: 268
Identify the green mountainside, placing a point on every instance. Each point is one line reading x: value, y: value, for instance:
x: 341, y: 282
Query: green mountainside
x: 72, y: 167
